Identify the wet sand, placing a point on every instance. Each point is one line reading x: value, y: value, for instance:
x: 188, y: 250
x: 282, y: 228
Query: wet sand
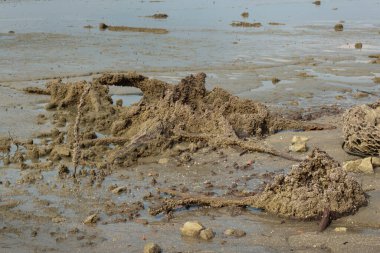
x: 315, y: 65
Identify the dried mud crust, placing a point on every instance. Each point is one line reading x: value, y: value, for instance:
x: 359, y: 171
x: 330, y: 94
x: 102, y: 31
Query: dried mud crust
x: 361, y: 130
x: 167, y: 115
x: 317, y: 184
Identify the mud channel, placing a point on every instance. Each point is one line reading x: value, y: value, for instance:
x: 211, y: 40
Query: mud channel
x: 161, y: 128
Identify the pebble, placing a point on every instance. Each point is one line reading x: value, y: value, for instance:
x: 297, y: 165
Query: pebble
x: 359, y: 166
x: 152, y: 248
x: 92, y: 219
x: 192, y: 229
x: 207, y: 234
x: 340, y: 229
x: 298, y: 144
x: 234, y: 232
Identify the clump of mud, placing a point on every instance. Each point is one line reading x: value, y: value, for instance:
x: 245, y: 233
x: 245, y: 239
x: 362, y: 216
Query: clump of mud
x: 159, y: 16
x: 103, y: 27
x: 166, y: 116
x: 246, y: 24
x: 315, y: 185
x: 361, y: 130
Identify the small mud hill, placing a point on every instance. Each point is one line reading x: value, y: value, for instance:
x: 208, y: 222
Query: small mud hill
x: 361, y: 130
x: 166, y: 115
x: 316, y: 184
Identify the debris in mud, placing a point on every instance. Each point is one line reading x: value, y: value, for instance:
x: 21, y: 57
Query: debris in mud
x: 152, y: 248
x: 36, y: 90
x: 361, y: 130
x: 317, y: 2
x: 88, y: 27
x: 92, y: 219
x: 159, y: 16
x: 338, y: 27
x: 275, y: 80
x: 275, y: 23
x: 103, y: 27
x: 245, y: 14
x: 305, y: 75
x: 358, y: 45
x: 246, y: 24
x: 167, y: 115
x: 298, y: 144
x: 315, y: 184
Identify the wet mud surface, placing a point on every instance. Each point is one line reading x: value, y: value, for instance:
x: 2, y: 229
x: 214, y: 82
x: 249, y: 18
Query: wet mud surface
x: 107, y: 206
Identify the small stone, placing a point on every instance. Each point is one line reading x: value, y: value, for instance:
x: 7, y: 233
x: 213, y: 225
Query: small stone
x: 119, y: 189
x: 192, y: 228
x: 340, y: 229
x: 92, y: 219
x: 275, y: 80
x: 207, y: 234
x: 298, y: 144
x: 163, y: 161
x: 103, y: 26
x: 152, y: 248
x: 245, y: 14
x: 317, y: 2
x: 234, y: 232
x: 58, y: 219
x: 338, y: 27
x: 359, y: 166
x: 359, y: 45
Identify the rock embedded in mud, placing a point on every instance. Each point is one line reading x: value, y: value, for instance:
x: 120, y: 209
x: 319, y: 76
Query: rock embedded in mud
x: 246, y: 24
x: 92, y: 219
x: 120, y: 189
x: 152, y: 248
x: 103, y: 26
x: 159, y: 16
x: 275, y: 80
x: 234, y: 232
x: 298, y: 144
x: 359, y: 45
x: 245, y: 14
x: 338, y: 27
x: 359, y: 166
x: 192, y: 229
x: 317, y: 2
x: 207, y: 234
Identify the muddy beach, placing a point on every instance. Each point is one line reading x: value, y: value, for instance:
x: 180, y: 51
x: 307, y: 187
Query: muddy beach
x: 114, y: 141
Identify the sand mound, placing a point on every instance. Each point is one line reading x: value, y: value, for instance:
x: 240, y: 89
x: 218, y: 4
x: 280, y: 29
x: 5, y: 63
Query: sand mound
x: 361, y: 129
x: 315, y: 184
x: 167, y: 115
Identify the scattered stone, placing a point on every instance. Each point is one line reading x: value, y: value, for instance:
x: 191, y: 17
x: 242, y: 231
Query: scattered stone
x: 207, y: 234
x: 234, y: 232
x: 340, y: 229
x: 119, y: 189
x: 338, y: 27
x: 298, y: 144
x: 359, y: 45
x: 275, y: 80
x: 163, y: 161
x: 192, y: 229
x: 159, y: 16
x: 58, y: 219
x: 152, y: 248
x: 92, y: 219
x: 359, y: 166
x: 245, y: 14
x: 246, y: 24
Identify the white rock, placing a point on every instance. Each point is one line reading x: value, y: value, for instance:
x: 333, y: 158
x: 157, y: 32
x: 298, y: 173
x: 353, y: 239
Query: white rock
x: 359, y: 166
x: 298, y: 144
x: 340, y: 229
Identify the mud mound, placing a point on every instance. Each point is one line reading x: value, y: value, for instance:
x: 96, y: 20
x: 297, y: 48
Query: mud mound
x: 361, y: 129
x: 167, y: 115
x: 312, y: 186
x: 317, y: 184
